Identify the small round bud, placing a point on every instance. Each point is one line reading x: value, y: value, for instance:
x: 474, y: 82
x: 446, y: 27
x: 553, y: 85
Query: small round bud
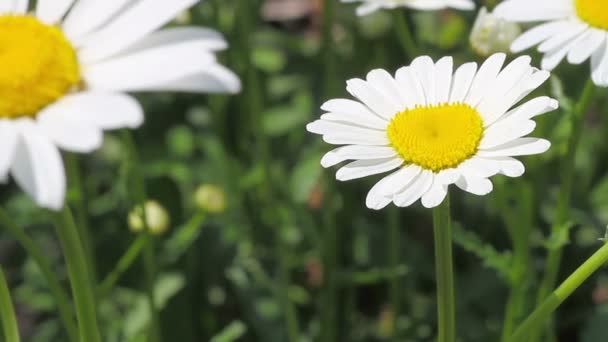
x: 210, y: 198
x: 491, y: 34
x: 156, y: 217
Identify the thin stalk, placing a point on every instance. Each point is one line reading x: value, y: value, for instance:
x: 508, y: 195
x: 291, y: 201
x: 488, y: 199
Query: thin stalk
x: 7, y: 312
x: 543, y: 313
x: 561, y: 214
x: 79, y: 275
x: 148, y: 258
x: 291, y: 317
x: 33, y: 250
x: 329, y: 303
x: 404, y: 35
x: 123, y: 264
x: 81, y: 214
x: 442, y: 229
x: 519, y: 231
x: 393, y: 253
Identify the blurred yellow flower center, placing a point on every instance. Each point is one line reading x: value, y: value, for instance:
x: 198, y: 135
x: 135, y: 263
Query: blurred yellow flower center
x: 593, y: 12
x: 436, y: 137
x: 37, y: 65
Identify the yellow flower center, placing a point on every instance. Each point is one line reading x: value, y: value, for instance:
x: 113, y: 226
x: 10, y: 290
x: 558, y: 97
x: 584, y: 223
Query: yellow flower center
x: 593, y: 12
x: 38, y: 65
x: 436, y: 137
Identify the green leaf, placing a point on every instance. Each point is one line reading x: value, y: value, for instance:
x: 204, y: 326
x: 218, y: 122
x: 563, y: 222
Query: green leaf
x: 232, y: 332
x: 471, y: 242
x: 305, y: 176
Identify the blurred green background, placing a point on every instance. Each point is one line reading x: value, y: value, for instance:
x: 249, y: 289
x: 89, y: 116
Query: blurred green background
x: 275, y: 249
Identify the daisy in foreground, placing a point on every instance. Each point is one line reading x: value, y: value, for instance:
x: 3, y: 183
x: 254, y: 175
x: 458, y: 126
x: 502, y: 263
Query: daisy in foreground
x: 65, y: 67
x: 573, y: 29
x: 370, y: 6
x: 435, y: 127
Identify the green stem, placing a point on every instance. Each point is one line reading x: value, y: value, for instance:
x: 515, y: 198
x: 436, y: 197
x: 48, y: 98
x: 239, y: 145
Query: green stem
x: 149, y: 258
x: 63, y: 304
x: 393, y: 253
x: 520, y: 226
x: 442, y: 228
x: 291, y: 318
x: 329, y: 301
x: 550, y: 304
x: 123, y: 264
x: 567, y: 178
x: 404, y: 35
x: 7, y: 312
x: 79, y: 275
x: 81, y: 214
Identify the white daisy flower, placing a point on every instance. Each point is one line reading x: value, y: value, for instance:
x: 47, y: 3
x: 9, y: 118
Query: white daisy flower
x: 573, y: 29
x: 370, y: 6
x: 491, y: 34
x: 65, y: 67
x: 435, y: 127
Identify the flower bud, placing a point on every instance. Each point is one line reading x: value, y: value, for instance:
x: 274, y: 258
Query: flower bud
x: 156, y: 217
x: 210, y: 198
x: 491, y: 34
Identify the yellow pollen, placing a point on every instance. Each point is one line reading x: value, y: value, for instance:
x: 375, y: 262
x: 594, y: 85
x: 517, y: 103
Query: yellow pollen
x: 593, y: 12
x: 436, y: 137
x: 37, y: 65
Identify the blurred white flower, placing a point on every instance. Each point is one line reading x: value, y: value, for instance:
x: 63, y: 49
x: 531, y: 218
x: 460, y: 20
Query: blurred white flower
x: 572, y: 29
x: 157, y: 218
x: 435, y: 127
x: 64, y: 71
x: 210, y: 198
x: 370, y: 6
x: 491, y: 34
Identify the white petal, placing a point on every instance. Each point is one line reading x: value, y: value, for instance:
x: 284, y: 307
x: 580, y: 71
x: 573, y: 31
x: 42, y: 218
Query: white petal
x: 325, y: 127
x: 586, y: 46
x: 435, y: 195
x: 8, y: 141
x: 354, y: 152
x: 353, y: 112
x: 574, y: 30
x: 87, y: 16
x: 537, y: 10
x: 530, y: 109
x: 216, y: 79
x: 364, y: 168
x: 211, y: 39
x: 152, y: 67
x: 70, y: 135
x: 37, y: 167
x: 599, y: 65
x: 136, y: 22
x: 424, y: 71
x: 383, y: 192
x: 52, y: 11
x: 508, y: 78
x: 99, y: 109
x: 475, y: 185
x: 518, y: 147
x: 416, y: 189
x: 485, y: 78
x: 351, y: 138
x: 443, y: 77
x: 537, y: 35
x: 387, y: 86
x: 410, y: 85
x: 461, y: 82
x: 372, y: 98
x: 504, y: 132
x: 507, y: 166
